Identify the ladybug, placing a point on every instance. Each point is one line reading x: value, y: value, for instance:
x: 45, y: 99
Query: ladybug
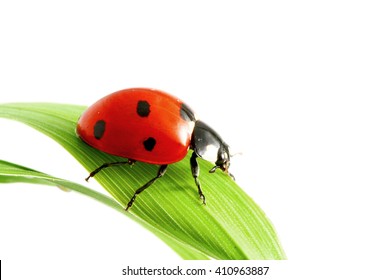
x: 151, y: 126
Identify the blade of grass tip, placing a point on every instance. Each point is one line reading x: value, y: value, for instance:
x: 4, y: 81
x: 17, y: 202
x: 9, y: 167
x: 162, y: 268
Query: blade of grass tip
x: 231, y: 226
x: 13, y: 173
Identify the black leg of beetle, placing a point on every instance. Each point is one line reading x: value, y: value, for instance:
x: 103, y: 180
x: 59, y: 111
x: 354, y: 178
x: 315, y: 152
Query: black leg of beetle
x: 109, y: 164
x: 160, y: 173
x: 195, y: 174
x: 212, y: 170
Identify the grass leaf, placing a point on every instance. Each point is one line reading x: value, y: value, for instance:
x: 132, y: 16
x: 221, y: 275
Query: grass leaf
x: 230, y: 226
x: 13, y: 173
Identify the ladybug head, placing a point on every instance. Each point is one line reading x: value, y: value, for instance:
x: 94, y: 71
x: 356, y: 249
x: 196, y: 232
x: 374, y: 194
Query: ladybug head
x: 223, y: 160
x: 208, y: 145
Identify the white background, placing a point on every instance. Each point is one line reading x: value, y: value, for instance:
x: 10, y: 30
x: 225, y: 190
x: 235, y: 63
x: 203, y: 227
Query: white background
x: 299, y: 87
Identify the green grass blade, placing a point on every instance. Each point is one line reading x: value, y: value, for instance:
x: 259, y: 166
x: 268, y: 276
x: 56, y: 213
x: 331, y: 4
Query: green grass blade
x: 231, y: 226
x: 13, y: 173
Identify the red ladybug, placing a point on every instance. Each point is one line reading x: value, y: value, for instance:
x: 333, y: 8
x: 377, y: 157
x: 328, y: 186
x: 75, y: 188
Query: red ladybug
x: 151, y: 126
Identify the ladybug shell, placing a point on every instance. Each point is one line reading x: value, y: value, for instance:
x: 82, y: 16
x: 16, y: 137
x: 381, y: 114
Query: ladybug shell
x: 141, y: 124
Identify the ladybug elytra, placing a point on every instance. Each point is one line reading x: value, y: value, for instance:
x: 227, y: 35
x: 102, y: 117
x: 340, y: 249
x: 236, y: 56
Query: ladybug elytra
x: 151, y: 126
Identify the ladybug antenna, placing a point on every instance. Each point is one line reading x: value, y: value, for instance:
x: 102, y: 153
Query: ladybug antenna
x: 236, y: 154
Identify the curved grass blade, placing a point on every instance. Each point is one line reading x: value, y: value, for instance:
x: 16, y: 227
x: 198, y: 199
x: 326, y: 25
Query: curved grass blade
x: 13, y: 173
x: 231, y: 226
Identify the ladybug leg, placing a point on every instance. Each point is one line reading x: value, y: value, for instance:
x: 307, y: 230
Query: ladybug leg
x: 160, y: 173
x: 109, y: 164
x: 195, y: 174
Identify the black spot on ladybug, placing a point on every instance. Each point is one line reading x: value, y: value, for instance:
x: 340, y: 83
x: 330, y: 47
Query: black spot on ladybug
x: 143, y: 108
x: 99, y: 128
x: 149, y: 144
x: 186, y: 113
